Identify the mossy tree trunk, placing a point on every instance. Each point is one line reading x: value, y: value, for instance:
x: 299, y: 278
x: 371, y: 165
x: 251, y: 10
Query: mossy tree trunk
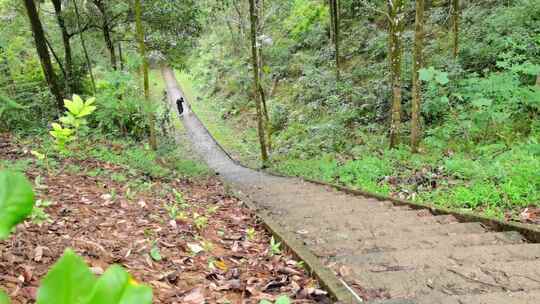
x: 455, y: 27
x: 253, y: 13
x: 68, y: 58
x: 334, y: 32
x: 43, y: 53
x: 83, y: 45
x: 106, y: 29
x: 395, y: 20
x: 418, y: 62
x: 144, y: 70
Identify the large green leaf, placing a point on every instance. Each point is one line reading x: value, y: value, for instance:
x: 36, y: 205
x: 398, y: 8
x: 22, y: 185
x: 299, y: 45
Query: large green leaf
x: 68, y: 281
x: 117, y: 287
x: 16, y: 200
x: 4, y: 299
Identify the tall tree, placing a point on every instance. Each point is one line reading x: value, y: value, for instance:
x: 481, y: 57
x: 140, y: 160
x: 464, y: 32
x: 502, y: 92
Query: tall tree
x: 43, y: 53
x: 418, y: 62
x: 334, y: 31
x: 144, y: 70
x: 395, y: 26
x: 83, y: 44
x: 253, y: 13
x: 68, y: 59
x: 455, y: 27
x: 106, y: 28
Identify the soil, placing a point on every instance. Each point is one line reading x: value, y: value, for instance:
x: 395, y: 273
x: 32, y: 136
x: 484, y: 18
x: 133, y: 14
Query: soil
x: 102, y: 222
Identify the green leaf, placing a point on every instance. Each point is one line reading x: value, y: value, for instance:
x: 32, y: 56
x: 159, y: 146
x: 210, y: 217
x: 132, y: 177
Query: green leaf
x: 154, y: 253
x: 426, y: 74
x: 482, y: 102
x: 110, y: 286
x: 136, y: 294
x: 16, y: 200
x: 117, y: 287
x: 67, y: 282
x: 442, y: 78
x: 265, y: 302
x: 4, y: 299
x: 283, y: 300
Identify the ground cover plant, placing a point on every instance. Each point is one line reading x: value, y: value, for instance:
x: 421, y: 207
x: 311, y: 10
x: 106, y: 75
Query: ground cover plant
x: 479, y: 110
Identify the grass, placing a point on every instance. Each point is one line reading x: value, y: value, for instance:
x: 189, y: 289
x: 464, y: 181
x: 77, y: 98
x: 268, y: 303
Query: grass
x: 234, y: 135
x: 491, y: 180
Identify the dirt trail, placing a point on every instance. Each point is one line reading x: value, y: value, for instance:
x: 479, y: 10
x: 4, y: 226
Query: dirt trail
x: 388, y: 254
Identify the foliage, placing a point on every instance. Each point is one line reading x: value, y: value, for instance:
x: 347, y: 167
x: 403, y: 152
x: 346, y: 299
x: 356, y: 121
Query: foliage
x: 280, y: 300
x: 71, y: 281
x: 480, y: 112
x: 120, y: 108
x: 275, y: 247
x: 73, y: 122
x: 16, y: 200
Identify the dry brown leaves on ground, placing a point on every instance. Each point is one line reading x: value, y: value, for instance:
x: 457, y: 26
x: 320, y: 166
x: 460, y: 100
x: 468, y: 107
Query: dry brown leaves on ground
x: 215, y: 262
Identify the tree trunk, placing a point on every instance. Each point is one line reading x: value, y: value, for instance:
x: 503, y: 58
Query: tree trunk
x: 41, y: 47
x: 144, y: 70
x: 418, y: 62
x: 85, y: 50
x: 120, y: 56
x: 334, y: 32
x: 455, y: 27
x: 68, y: 61
x: 105, y: 27
x: 538, y: 80
x: 395, y: 12
x: 256, y: 85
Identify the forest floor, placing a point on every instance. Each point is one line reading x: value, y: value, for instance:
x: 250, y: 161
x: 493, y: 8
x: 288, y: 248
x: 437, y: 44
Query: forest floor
x: 184, y: 236
x: 383, y: 251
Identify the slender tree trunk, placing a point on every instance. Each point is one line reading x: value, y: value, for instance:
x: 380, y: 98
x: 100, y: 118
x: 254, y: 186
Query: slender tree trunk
x: 41, y: 47
x: 418, y: 60
x: 144, y: 70
x: 538, y: 80
x: 395, y: 12
x: 120, y: 56
x: 334, y: 32
x: 56, y: 57
x: 105, y: 27
x: 256, y: 85
x: 455, y: 27
x: 85, y: 50
x: 68, y: 61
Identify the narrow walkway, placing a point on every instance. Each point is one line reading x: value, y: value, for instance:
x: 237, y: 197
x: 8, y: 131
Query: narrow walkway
x: 384, y: 251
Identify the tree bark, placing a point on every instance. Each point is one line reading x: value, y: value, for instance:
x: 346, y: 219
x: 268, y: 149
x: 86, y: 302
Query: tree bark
x: 395, y: 13
x: 256, y: 85
x: 334, y: 32
x: 418, y: 62
x: 105, y: 28
x: 120, y: 56
x: 144, y: 70
x: 455, y: 27
x: 43, y: 53
x: 85, y: 50
x: 68, y: 59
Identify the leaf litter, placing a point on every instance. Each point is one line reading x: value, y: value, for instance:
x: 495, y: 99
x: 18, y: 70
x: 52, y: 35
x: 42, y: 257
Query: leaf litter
x: 93, y: 215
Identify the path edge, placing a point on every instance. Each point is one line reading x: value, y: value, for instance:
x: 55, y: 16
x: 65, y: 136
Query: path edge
x: 328, y: 280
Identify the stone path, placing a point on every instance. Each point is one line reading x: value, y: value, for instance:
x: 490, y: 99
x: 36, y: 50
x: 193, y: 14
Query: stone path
x: 388, y: 254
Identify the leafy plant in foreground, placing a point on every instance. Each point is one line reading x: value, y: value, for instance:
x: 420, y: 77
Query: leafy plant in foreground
x: 16, y: 201
x: 71, y: 281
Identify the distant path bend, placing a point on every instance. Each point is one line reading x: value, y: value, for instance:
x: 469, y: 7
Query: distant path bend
x: 384, y: 251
